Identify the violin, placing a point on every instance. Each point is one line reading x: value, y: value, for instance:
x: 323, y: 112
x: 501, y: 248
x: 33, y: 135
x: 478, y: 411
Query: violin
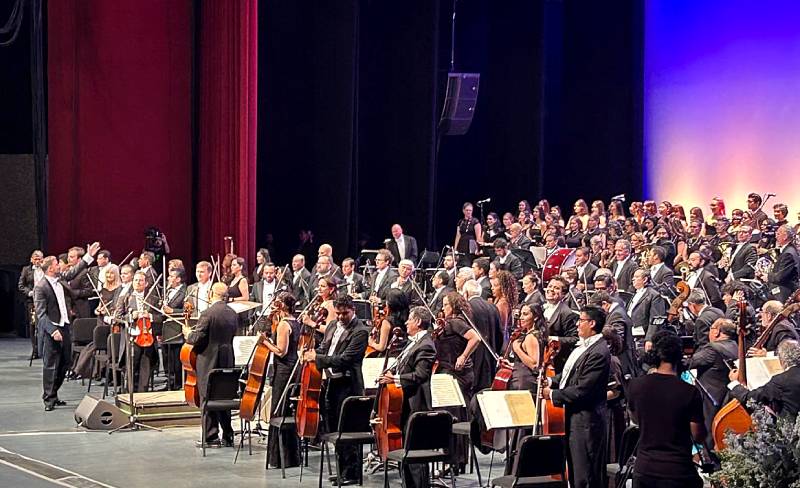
x: 438, y: 327
x: 144, y: 324
x: 189, y: 361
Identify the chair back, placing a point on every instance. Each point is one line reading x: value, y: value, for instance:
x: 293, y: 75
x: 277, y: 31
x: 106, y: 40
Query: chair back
x: 628, y: 444
x: 429, y: 430
x: 82, y: 331
x: 355, y: 414
x: 540, y: 456
x: 223, y: 384
x: 114, y: 342
x: 100, y: 337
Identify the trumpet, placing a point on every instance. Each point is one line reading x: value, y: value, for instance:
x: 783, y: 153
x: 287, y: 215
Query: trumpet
x: 683, y: 268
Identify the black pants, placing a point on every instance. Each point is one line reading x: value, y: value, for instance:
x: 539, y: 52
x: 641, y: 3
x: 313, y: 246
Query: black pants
x: 586, y: 457
x: 216, y: 420
x: 643, y: 481
x: 172, y: 365
x: 336, y: 392
x: 291, y: 448
x: 56, y: 359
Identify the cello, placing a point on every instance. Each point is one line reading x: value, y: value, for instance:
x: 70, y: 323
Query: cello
x: 551, y: 419
x: 388, y: 408
x: 307, y: 414
x: 256, y: 376
x: 189, y: 361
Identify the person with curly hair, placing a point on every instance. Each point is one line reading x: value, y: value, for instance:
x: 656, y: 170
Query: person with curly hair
x: 504, y: 291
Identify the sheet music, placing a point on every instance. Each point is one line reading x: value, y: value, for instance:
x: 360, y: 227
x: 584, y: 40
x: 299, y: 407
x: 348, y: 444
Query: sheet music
x: 445, y: 391
x: 539, y: 254
x: 761, y: 370
x: 242, y: 349
x: 371, y: 369
x: 507, y: 409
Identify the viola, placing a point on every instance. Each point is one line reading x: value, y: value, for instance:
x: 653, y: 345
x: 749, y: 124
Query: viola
x: 307, y: 414
x: 388, y: 409
x: 144, y: 325
x: 189, y: 361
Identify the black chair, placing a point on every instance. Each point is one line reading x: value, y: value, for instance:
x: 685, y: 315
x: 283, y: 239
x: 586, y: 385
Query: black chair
x: 538, y: 460
x: 222, y: 394
x: 114, y: 370
x: 354, y: 429
x: 465, y: 429
x: 282, y: 422
x: 100, y: 356
x: 627, y: 451
x: 428, y: 439
x: 82, y: 334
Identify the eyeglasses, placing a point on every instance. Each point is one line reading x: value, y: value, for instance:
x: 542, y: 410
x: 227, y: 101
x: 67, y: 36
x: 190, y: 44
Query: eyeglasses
x: 581, y: 319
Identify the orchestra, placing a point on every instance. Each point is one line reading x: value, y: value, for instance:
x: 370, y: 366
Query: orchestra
x: 597, y: 319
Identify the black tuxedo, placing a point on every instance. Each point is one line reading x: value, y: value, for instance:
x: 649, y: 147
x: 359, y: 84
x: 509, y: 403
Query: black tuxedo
x: 191, y: 297
x: 535, y: 298
x: 345, y: 379
x: 649, y: 306
x: 583, y: 396
x: 301, y: 288
x: 486, y: 287
x: 512, y: 264
x: 257, y: 292
x: 712, y: 373
x: 783, y: 330
x: 358, y: 286
x: 409, y: 291
x: 486, y: 318
x: 782, y: 281
x: 56, y: 355
x: 621, y: 322
x: 664, y: 276
x: 587, y: 276
x: 781, y: 393
x: 710, y: 285
x: 436, y: 299
x: 389, y: 278
x: 142, y: 368
x: 410, y: 249
x: 213, y: 343
x: 522, y: 242
x: 171, y: 348
x: 81, y: 291
x: 703, y: 323
x: 563, y: 323
x: 25, y: 286
x: 743, y: 263
x: 625, y: 279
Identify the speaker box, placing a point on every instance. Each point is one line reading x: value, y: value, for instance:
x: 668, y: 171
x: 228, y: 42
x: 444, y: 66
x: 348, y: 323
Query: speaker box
x: 96, y: 414
x: 459, y: 103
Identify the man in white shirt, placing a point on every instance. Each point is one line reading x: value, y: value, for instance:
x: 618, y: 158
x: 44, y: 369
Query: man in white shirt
x: 401, y: 246
x: 383, y: 277
x: 199, y: 294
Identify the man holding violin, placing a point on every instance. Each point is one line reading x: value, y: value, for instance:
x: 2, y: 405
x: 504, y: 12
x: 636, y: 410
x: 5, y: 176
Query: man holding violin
x: 139, y: 306
x: 340, y: 356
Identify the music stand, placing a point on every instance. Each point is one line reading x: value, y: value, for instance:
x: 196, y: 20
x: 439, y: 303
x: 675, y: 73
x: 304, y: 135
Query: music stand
x: 429, y: 259
x: 363, y: 309
x: 528, y: 261
x: 366, y: 255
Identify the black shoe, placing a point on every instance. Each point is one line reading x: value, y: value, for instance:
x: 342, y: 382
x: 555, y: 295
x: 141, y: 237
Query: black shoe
x: 335, y: 481
x: 214, y: 444
x: 227, y: 442
x: 60, y: 403
x: 48, y: 407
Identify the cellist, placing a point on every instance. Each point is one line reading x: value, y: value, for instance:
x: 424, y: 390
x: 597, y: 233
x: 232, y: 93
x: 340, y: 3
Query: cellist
x: 340, y: 356
x: 414, y: 370
x: 283, y: 346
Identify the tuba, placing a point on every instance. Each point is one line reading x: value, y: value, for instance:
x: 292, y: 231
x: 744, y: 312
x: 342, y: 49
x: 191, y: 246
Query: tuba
x: 726, y: 252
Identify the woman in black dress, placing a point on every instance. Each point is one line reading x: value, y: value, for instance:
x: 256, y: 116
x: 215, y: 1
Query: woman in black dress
x: 262, y: 258
x: 494, y: 228
x: 237, y: 288
x: 396, y: 316
x: 468, y: 235
x: 525, y: 352
x: 284, y: 356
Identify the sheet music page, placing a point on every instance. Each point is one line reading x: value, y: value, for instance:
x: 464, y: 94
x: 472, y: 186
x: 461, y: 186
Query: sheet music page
x: 445, y: 391
x: 761, y: 370
x: 243, y: 348
x: 371, y: 369
x: 507, y: 409
x: 539, y: 253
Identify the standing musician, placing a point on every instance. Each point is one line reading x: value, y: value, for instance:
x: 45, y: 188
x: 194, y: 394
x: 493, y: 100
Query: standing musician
x: 533, y: 294
x: 79, y: 284
x: 300, y: 280
x: 414, y: 370
x: 516, y: 238
x: 51, y: 300
x: 323, y: 269
x: 704, y: 279
x: 382, y: 279
x: 504, y: 290
x: 783, y: 279
x: 480, y: 269
x: 660, y: 273
x: 585, y: 269
x: 455, y: 343
x: 401, y: 246
x: 744, y: 256
x: 262, y: 258
x: 440, y: 282
x: 783, y: 330
x: 355, y: 281
x: 28, y: 278
x: 283, y: 346
x: 581, y: 390
x: 173, y: 304
x: 396, y: 316
x: 403, y: 281
x: 645, y: 305
x: 326, y: 294
x: 199, y: 294
x: 265, y: 290
x: 561, y: 320
x: 618, y: 319
x: 238, y: 289
x: 213, y: 342
x: 468, y: 235
x: 754, y: 205
x: 140, y: 304
x: 504, y: 260
x: 340, y: 356
x: 623, y: 266
x: 145, y: 264
x: 526, y: 352
x: 486, y: 318
x: 782, y: 391
x: 705, y: 315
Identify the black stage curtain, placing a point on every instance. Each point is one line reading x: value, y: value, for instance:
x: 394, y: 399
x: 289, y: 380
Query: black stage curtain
x: 351, y: 91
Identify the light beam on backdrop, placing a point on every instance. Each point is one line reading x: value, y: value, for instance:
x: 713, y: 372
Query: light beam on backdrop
x: 722, y: 101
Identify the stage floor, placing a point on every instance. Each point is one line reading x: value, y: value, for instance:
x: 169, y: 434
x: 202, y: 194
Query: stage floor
x: 39, y: 448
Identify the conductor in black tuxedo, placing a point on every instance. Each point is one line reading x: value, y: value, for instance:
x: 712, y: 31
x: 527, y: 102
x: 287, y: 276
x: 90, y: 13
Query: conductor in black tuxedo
x: 402, y: 246
x: 414, y: 370
x: 581, y: 390
x: 213, y: 342
x: 51, y: 298
x: 340, y: 356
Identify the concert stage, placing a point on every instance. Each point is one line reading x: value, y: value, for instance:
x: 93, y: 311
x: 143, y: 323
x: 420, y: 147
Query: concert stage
x: 45, y: 449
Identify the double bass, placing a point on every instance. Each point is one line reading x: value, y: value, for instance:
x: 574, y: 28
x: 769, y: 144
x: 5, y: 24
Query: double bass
x: 551, y: 419
x: 388, y: 409
x: 189, y: 361
x: 307, y: 414
x: 256, y: 376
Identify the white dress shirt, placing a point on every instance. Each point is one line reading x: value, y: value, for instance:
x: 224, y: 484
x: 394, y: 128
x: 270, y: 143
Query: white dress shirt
x: 401, y: 247
x: 62, y: 301
x: 268, y: 292
x: 580, y: 348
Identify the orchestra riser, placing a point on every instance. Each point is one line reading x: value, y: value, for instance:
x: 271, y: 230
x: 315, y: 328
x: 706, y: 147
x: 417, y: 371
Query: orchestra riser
x: 161, y: 409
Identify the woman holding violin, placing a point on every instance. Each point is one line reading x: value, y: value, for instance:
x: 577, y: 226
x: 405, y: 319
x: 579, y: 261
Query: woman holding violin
x: 326, y: 294
x: 283, y: 346
x: 395, y: 314
x: 524, y: 344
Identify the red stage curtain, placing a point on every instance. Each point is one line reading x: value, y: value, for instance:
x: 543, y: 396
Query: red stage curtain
x: 227, y: 126
x: 119, y: 123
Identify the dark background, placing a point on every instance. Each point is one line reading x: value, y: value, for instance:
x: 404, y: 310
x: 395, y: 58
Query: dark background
x: 350, y: 93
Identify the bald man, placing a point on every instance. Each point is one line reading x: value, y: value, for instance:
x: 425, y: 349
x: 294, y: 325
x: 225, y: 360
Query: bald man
x: 213, y: 343
x: 401, y: 246
x: 327, y: 250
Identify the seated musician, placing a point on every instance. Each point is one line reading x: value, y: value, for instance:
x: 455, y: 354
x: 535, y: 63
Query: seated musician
x: 782, y: 331
x: 284, y: 348
x: 669, y: 413
x: 782, y: 391
x: 660, y: 274
x: 517, y: 239
x: 340, y: 356
x: 396, y: 316
x: 440, y: 289
x: 414, y: 369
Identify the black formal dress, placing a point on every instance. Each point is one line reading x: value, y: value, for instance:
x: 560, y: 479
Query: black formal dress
x: 583, y: 395
x: 281, y: 376
x: 467, y: 244
x: 213, y: 343
x: 342, y: 361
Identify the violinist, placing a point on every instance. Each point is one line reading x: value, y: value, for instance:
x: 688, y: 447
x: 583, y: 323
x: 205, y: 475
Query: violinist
x: 171, y: 347
x: 504, y: 290
x: 266, y: 288
x: 300, y: 280
x: 283, y: 346
x: 107, y: 292
x: 198, y: 294
x: 213, y: 341
x: 141, y: 305
x: 403, y: 281
x: 525, y: 349
x: 355, y: 281
x: 396, y: 316
x: 326, y: 294
x: 414, y: 370
x: 340, y: 355
x: 382, y: 279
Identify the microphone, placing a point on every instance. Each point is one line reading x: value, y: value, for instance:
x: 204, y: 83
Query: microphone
x: 620, y: 197
x: 387, y: 241
x: 485, y: 200
x: 770, y: 195
x: 343, y: 284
